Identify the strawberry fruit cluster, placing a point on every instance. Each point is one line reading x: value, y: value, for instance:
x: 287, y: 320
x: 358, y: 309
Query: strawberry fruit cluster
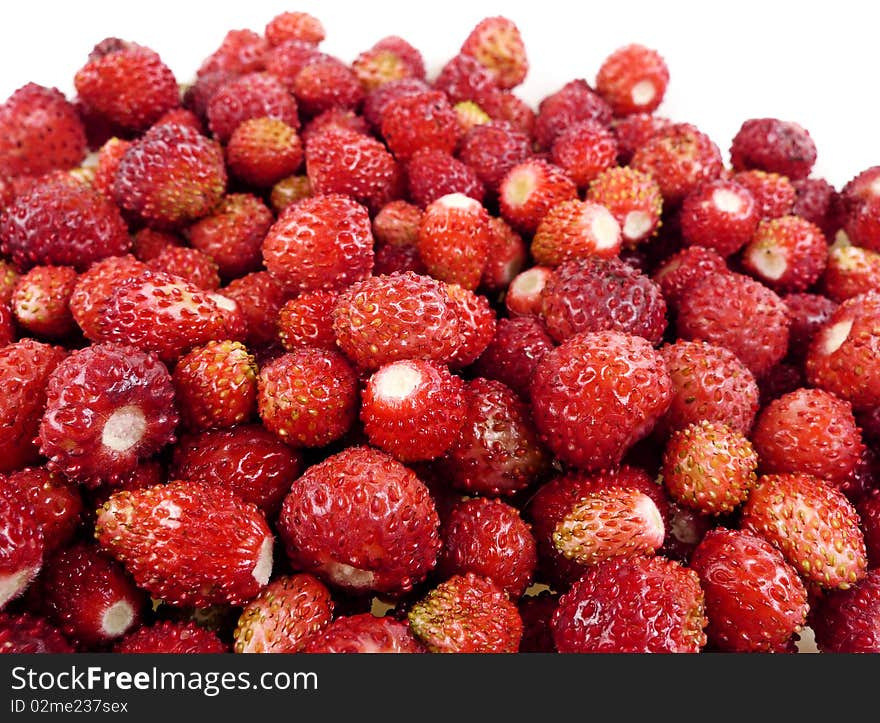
x: 324, y: 356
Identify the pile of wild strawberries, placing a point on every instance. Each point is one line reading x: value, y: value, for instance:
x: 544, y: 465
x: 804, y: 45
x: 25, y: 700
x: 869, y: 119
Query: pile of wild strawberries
x: 323, y: 357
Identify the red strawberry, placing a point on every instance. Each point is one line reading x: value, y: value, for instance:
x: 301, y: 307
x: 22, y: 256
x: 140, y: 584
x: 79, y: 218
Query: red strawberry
x: 391, y: 523
x: 529, y: 190
x: 379, y: 99
x: 575, y: 230
x: 709, y: 467
x: 514, y: 352
x: 107, y: 406
x: 152, y: 532
x: 397, y: 223
x: 813, y: 525
x: 390, y: 59
x: 467, y: 614
x: 476, y: 325
x: 259, y: 297
x: 860, y: 208
x: 253, y: 95
x: 584, y: 150
x: 845, y: 621
x: 60, y: 221
x: 285, y: 614
x: 106, y: 165
x: 635, y: 130
x: 454, y: 240
x: 851, y: 270
x: 685, y: 530
x: 597, y: 614
x: 633, y: 198
x: 720, y: 215
x: 320, y: 243
x: 148, y: 243
x: 432, y: 173
x: 466, y: 78
x: 184, y: 117
x: 41, y: 301
x: 171, y: 637
x: 497, y: 44
x: 364, y: 633
x: 524, y: 295
x: 294, y: 26
x: 773, y: 145
x: 398, y: 260
x: 324, y: 84
x: 26, y: 633
x: 288, y: 58
x: 809, y: 313
x: 574, y: 103
x: 774, y: 194
x: 492, y: 149
x: 57, y: 504
x: 507, y: 256
x: 536, y: 612
x: 307, y: 320
x: 755, y: 601
x: 25, y: 367
x: 261, y: 151
x: 786, y: 253
x: 241, y: 51
x: 40, y: 131
x: 190, y: 264
x: 633, y: 79
x: 818, y: 202
x: 129, y: 85
x: 93, y: 288
x: 21, y: 542
x: 423, y: 120
x: 684, y: 268
x: 588, y: 417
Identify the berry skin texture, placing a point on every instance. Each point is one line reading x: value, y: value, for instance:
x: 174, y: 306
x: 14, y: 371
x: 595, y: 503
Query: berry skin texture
x: 307, y: 320
x: 477, y: 322
x: 397, y: 224
x: 364, y: 633
x: 736, y: 312
x: 584, y: 150
x: 634, y: 130
x: 851, y: 270
x: 809, y: 313
x: 151, y: 532
x: 786, y: 253
x: 597, y: 394
x: 326, y: 84
x: 514, y: 352
x: 681, y: 270
x: 241, y: 51
x: 492, y: 149
x: 21, y: 543
x: 597, y: 614
x: 467, y: 614
x: 171, y: 637
x: 188, y: 263
x: 498, y: 46
x: 308, y: 397
x: 286, y: 613
x: 294, y: 26
x: 868, y: 508
x: 575, y: 230
x: 41, y: 301
x: 529, y: 190
x: 632, y: 197
x: 454, y: 240
x: 755, y: 601
x: 633, y: 79
x: 812, y: 524
x: 390, y: 523
x: 573, y: 103
x: 774, y: 194
x: 860, y: 202
x: 720, y: 215
x: 26, y: 633
x: 488, y: 538
x: 808, y: 431
x: 536, y: 612
x: 709, y: 467
x: 254, y: 95
x: 57, y: 504
x: 413, y: 409
x: 324, y: 242
x: 423, y: 120
x: 261, y: 151
x: 432, y: 173
x: 107, y: 406
x: 259, y: 297
x: 390, y: 59
x: 773, y: 145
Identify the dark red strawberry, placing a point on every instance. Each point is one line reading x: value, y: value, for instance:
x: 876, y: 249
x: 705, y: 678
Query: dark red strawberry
x: 477, y: 321
x: 254, y: 95
x: 466, y: 78
x: 148, y: 243
x: 770, y: 144
x: 492, y: 149
x: 424, y: 120
x: 514, y: 352
x: 294, y: 26
x: 241, y: 51
x: 774, y: 194
x: 171, y: 637
x: 845, y: 621
x: 536, y: 612
x: 635, y: 130
x: 7, y: 325
x: 575, y: 102
x: 364, y: 633
x: 584, y: 150
x: 432, y: 173
x: 819, y: 203
x: 681, y: 270
x: 869, y: 513
x: 26, y: 633
x: 21, y: 542
x: 379, y: 99
x: 57, y: 504
x: 809, y: 313
x: 188, y: 263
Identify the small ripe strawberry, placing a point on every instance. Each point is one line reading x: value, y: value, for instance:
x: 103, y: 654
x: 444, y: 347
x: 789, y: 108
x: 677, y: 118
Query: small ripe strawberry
x: 524, y: 296
x: 584, y: 150
x: 860, y: 208
x: 432, y: 173
x: 588, y: 417
x: 41, y: 301
x: 467, y: 614
x: 574, y: 103
x: 786, y: 253
x: 397, y: 224
x: 685, y: 529
x: 818, y: 202
x: 109, y: 156
x: 770, y: 144
x: 679, y: 158
x: 514, y: 352
x: 334, y: 118
x: 476, y: 325
x: 755, y: 601
x: 846, y: 621
x: 25, y: 367
x: 391, y: 536
x: 261, y: 151
x: 57, y: 504
x: 379, y: 99
x: 683, y: 269
x: 423, y: 120
x: 529, y: 190
x: 596, y: 294
x: 326, y: 83
x: 813, y: 525
x: 40, y: 131
x: 308, y: 397
x: 488, y: 538
x: 633, y: 79
x: 323, y: 242
x: 510, y: 108
x: 708, y: 383
x: 148, y: 243
x: 26, y: 633
x: 635, y: 130
x: 107, y: 406
x: 21, y: 542
x: 307, y: 320
x: 287, y: 59
x: 709, y: 467
x: 808, y: 313
x: 391, y: 58
x: 466, y: 78
x: 189, y: 264
x: 364, y: 633
x: 294, y: 26
x: 508, y: 255
x: 454, y: 240
x: 171, y: 637
x: 184, y: 117
x: 254, y: 95
x: 808, y: 431
x: 283, y: 616
x: 232, y: 235
x: 575, y: 230
x: 398, y: 259
x: 93, y: 288
x: 259, y: 297
x: 170, y: 176
x: 241, y: 51
x: 62, y: 222
x: 774, y: 194
x: 130, y: 86
x: 734, y: 311
x: 597, y: 615
x: 492, y: 149
x: 498, y: 46
x: 720, y: 215
x: 633, y: 198
x: 851, y: 270
x: 89, y: 596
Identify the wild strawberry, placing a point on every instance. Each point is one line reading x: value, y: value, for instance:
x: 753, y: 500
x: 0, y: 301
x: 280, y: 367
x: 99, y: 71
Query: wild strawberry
x: 390, y: 59
x: 476, y: 325
x: 529, y: 190
x: 364, y: 633
x: 41, y: 301
x: 284, y: 615
x: 148, y: 243
x: 497, y: 44
x: 770, y: 144
x: 432, y: 173
x: 26, y: 633
x: 93, y: 288
x: 574, y: 103
x: 633, y: 199
x: 773, y: 193
x: 813, y: 525
x: 184, y: 117
x: 633, y: 79
x: 323, y: 242
x: 62, y: 222
x: 241, y: 51
x: 129, y: 86
x: 232, y: 235
x: 845, y: 621
x: 514, y: 352
x: 294, y: 26
x: 308, y: 397
x: 680, y: 271
x: 307, y: 320
x: 170, y: 637
x: 595, y: 294
x: 391, y: 541
x: 755, y: 601
x: 40, y: 131
x: 287, y: 59
x: 634, y: 130
x: 151, y: 531
x: 379, y: 99
x: 720, y: 215
x: 467, y: 614
x: 808, y: 431
x: 851, y: 270
x: 57, y: 504
x: 736, y: 312
x: 588, y: 417
x: 679, y: 158
x: 507, y: 256
x: 398, y: 259
x: 397, y: 223
x: 524, y: 296
x: 171, y: 175
x: 860, y: 208
x: 254, y: 95
x: 326, y: 83
x: 496, y: 451
x: 190, y: 264
x: 709, y: 467
x: 259, y: 297
x: 261, y: 151
x: 107, y: 163
x: 709, y: 383
x: 338, y: 118
x: 21, y: 544
x: 464, y: 77
x: 575, y: 230
x: 808, y: 313
x: 423, y: 120
x: 596, y: 615
x: 786, y: 253
x: 492, y: 149
x: 510, y: 108
x: 818, y: 202
x: 454, y: 240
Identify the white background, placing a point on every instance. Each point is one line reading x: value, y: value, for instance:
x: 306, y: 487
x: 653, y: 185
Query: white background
x: 814, y: 63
